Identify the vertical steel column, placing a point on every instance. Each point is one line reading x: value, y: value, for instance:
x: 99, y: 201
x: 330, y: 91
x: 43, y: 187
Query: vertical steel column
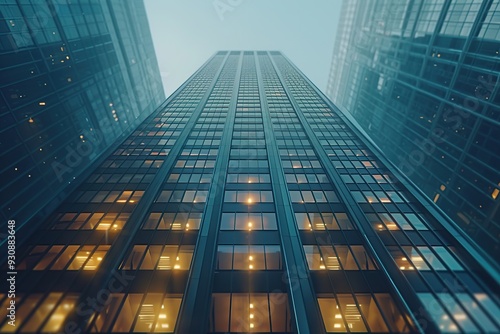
x: 193, y: 315
x: 124, y: 241
x: 400, y: 286
x: 303, y: 298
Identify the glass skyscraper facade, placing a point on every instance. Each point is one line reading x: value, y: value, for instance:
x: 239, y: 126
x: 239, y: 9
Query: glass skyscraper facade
x: 421, y: 78
x: 75, y: 77
x: 249, y: 203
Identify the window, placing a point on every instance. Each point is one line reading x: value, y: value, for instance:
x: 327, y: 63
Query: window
x: 248, y: 221
x: 431, y: 258
x: 248, y: 164
x: 91, y: 221
x: 249, y: 257
x: 255, y: 312
x: 201, y: 163
x: 324, y: 220
x: 136, y: 312
x: 306, y: 178
x: 60, y: 257
x: 416, y: 221
x: 338, y: 257
x: 447, y: 313
x: 245, y: 153
x: 159, y: 257
x: 361, y: 313
x: 42, y: 314
x: 301, y: 164
x: 114, y: 196
x: 447, y: 258
x: 151, y: 163
x: 248, y: 178
x: 173, y: 221
x: 408, y: 258
x: 185, y: 196
x: 190, y: 178
x: 314, y: 196
x: 248, y: 197
x: 384, y: 221
x: 194, y: 152
x: 379, y: 178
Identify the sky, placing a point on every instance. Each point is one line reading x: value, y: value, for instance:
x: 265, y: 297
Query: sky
x: 187, y: 32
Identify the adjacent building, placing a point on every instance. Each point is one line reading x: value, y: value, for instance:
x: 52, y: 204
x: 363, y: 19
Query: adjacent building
x: 76, y: 77
x: 249, y: 203
x: 421, y: 78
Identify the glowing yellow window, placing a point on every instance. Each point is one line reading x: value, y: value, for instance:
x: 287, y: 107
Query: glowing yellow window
x: 155, y: 312
x: 125, y: 195
x: 87, y: 258
x: 51, y: 312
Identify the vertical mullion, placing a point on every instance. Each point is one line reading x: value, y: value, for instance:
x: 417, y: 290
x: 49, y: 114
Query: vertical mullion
x: 307, y: 318
x: 400, y: 285
x: 193, y: 314
x: 140, y: 212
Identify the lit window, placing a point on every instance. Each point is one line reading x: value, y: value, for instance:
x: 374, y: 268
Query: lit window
x: 408, y: 258
x: 248, y: 221
x: 338, y: 257
x: 321, y: 221
x: 256, y: 312
x: 154, y: 309
x: 361, y: 313
x: 37, y: 314
x: 249, y: 257
x: 384, y: 221
x: 87, y: 258
x: 171, y: 220
x: 71, y: 257
x: 248, y: 197
x: 159, y: 257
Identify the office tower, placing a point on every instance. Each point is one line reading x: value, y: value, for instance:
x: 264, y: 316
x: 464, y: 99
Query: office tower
x: 76, y: 77
x: 421, y: 78
x: 248, y: 203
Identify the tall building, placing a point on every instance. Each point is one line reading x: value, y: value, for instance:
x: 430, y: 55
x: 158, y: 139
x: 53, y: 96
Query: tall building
x: 421, y: 78
x: 76, y: 77
x: 248, y: 203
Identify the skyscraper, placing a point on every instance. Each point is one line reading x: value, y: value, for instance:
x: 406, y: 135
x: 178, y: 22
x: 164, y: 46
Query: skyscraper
x: 75, y: 77
x: 248, y: 203
x: 421, y: 78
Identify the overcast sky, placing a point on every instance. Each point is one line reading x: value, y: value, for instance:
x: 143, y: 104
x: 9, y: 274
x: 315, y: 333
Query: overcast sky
x: 187, y: 32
